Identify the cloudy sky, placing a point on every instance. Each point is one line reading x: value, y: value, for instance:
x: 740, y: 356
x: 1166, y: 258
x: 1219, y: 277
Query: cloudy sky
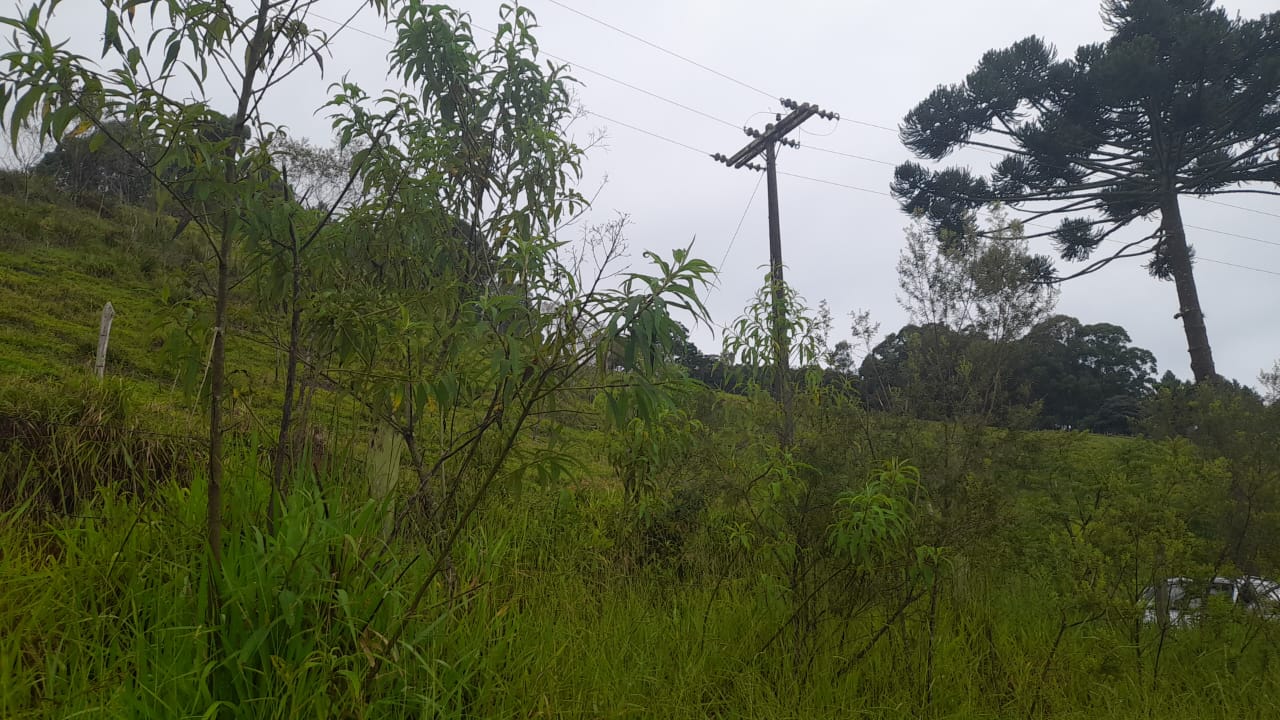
x: 869, y: 61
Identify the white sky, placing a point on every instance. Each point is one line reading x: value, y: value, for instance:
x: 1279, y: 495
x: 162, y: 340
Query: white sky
x: 869, y: 61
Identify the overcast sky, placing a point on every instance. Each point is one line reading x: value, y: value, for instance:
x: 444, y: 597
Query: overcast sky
x: 869, y: 61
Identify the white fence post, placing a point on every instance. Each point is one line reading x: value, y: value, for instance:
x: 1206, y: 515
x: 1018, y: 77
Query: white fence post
x: 104, y: 335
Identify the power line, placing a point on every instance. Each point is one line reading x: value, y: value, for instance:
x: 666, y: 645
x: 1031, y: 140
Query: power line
x: 1197, y: 257
x: 713, y: 71
x: 829, y: 151
x: 849, y: 155
x: 659, y: 48
x: 650, y: 133
x: 991, y: 151
x: 1237, y: 207
x: 1234, y: 265
x: 352, y: 28
x: 885, y: 194
x: 828, y: 133
x: 641, y: 90
x: 655, y: 46
x: 816, y: 149
x: 1231, y: 234
x: 720, y: 120
x: 665, y: 99
x: 579, y: 66
x: 741, y: 220
x: 730, y: 78
x: 835, y: 184
x: 864, y: 123
x: 847, y: 186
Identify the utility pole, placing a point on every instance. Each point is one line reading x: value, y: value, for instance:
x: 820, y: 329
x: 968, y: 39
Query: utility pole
x: 767, y: 143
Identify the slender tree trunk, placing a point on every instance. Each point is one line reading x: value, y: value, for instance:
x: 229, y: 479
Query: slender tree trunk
x: 1179, y: 254
x: 283, y: 442
x: 218, y: 358
x: 929, y: 657
x: 1044, y: 669
x: 217, y: 369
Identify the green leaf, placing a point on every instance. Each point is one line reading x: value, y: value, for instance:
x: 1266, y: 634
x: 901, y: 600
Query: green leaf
x: 446, y: 390
x: 61, y: 118
x: 171, y: 55
x: 22, y: 112
x: 421, y: 393
x: 111, y: 34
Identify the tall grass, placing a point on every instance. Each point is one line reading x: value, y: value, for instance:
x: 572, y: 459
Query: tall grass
x: 59, y: 444
x: 105, y: 614
x: 561, y: 604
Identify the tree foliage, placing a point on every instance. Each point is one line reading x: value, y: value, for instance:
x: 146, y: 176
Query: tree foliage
x: 447, y: 303
x: 109, y: 172
x: 1270, y: 380
x: 977, y: 281
x: 1179, y: 101
x: 217, y: 178
x: 1085, y: 376
x: 122, y: 163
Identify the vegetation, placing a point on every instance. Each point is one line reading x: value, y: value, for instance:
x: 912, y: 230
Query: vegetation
x: 1179, y: 101
x: 462, y: 464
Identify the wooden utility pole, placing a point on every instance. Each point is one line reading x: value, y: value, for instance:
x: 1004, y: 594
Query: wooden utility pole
x: 767, y: 143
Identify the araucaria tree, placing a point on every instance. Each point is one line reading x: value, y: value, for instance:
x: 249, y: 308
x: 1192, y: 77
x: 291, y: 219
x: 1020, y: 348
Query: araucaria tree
x: 1181, y: 100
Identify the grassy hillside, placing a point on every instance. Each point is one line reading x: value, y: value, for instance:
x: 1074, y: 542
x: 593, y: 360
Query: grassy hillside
x: 61, y: 262
x: 991, y: 573
x: 58, y: 267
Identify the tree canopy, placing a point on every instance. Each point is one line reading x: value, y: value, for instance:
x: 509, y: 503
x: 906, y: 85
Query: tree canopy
x: 119, y: 161
x: 1085, y: 376
x: 1179, y: 101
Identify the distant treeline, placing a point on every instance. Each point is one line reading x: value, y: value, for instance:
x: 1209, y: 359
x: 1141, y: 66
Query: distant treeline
x: 1063, y: 375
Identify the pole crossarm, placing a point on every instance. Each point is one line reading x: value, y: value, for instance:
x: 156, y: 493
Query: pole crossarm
x: 775, y: 133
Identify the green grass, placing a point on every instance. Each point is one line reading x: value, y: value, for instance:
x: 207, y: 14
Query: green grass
x: 105, y: 607
x: 51, y: 300
x: 60, y: 264
x: 105, y: 615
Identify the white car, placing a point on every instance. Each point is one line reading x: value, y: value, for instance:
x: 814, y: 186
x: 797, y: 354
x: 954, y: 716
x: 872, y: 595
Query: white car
x: 1260, y: 595
x: 1184, y: 598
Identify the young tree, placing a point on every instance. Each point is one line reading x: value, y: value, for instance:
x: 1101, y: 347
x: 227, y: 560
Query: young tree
x: 456, y: 315
x: 24, y: 152
x: 218, y: 179
x: 319, y: 177
x: 840, y: 357
x: 755, y: 340
x: 981, y: 282
x: 1270, y: 381
x: 968, y: 299
x: 1179, y: 101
